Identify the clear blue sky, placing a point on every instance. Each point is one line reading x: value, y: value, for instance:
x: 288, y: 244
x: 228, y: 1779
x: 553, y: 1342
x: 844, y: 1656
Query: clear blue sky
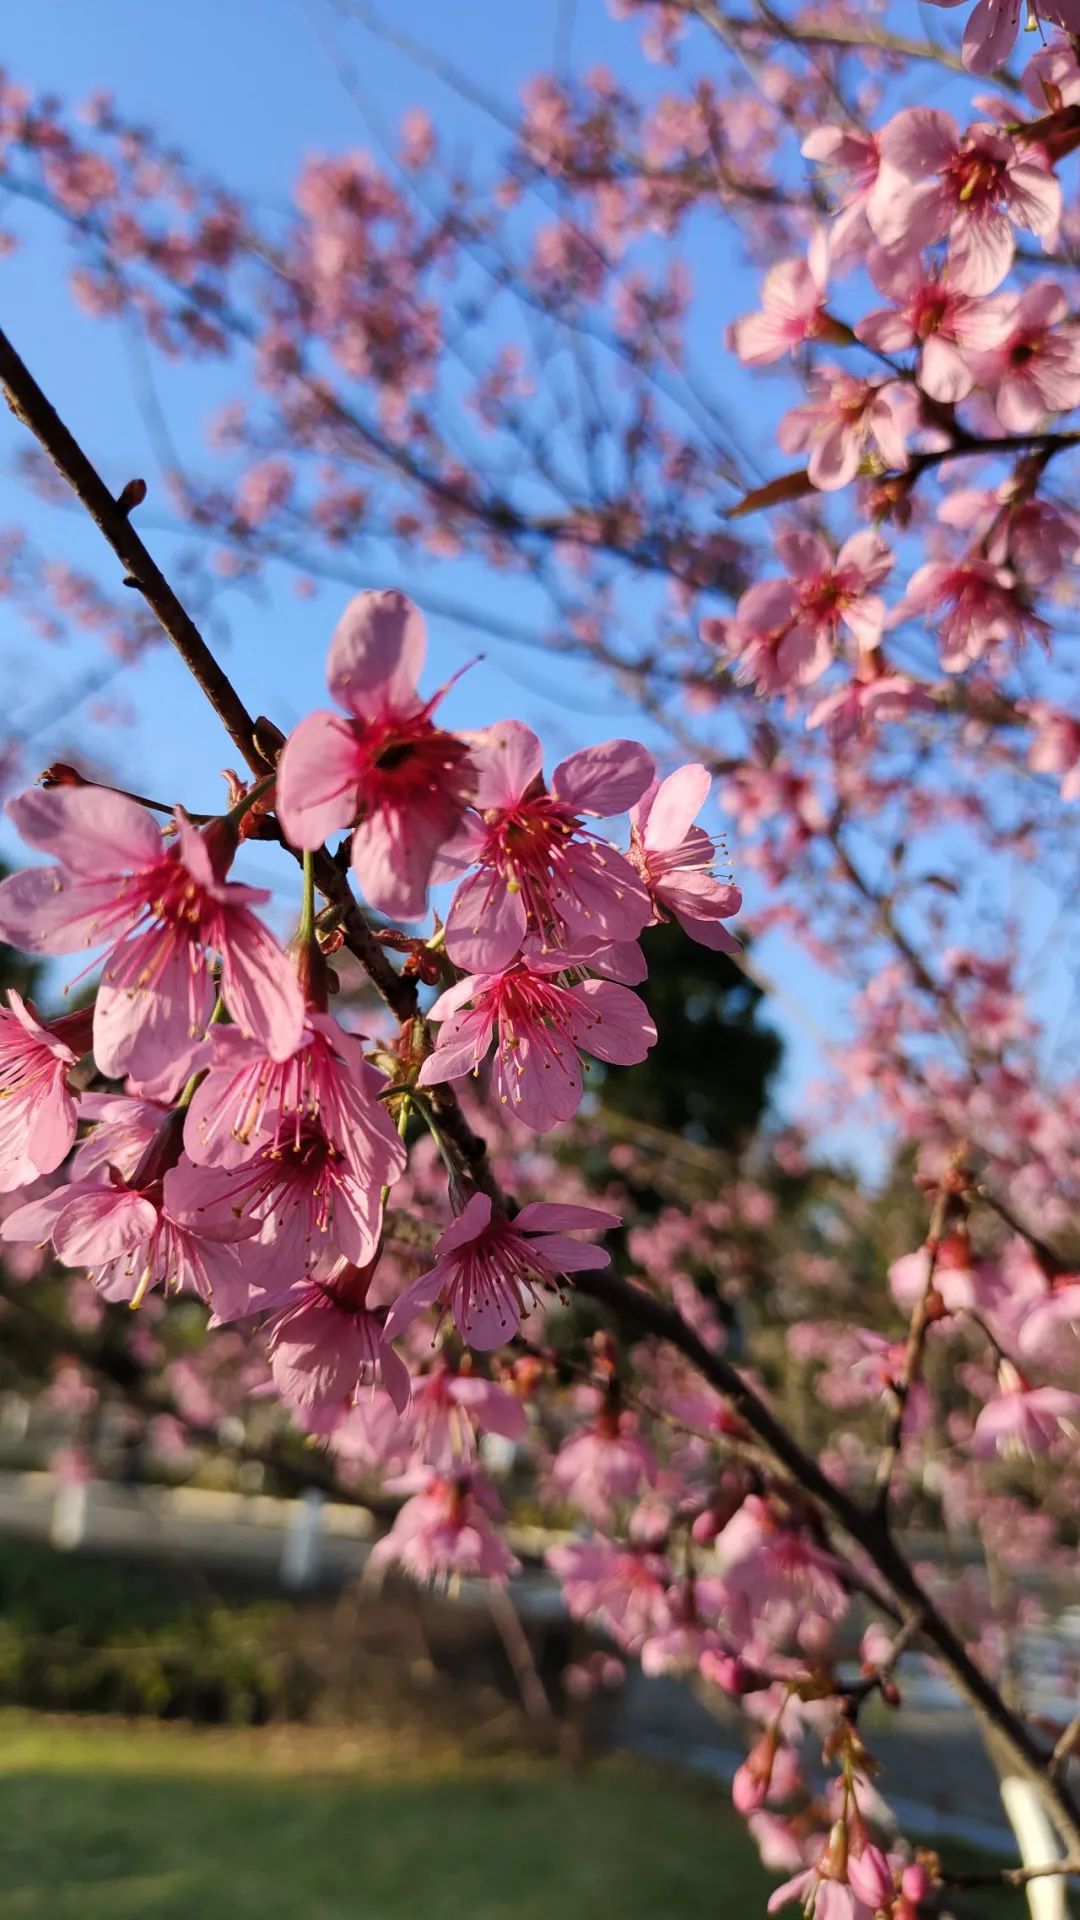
x: 248, y: 89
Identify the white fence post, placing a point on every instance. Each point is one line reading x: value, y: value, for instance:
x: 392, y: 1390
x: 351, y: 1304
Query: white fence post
x: 301, y: 1550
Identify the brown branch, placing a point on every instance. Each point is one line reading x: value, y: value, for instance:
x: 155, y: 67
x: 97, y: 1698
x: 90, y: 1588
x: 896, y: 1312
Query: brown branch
x: 913, y: 1353
x: 634, y: 1306
x: 30, y: 406
x: 639, y: 1310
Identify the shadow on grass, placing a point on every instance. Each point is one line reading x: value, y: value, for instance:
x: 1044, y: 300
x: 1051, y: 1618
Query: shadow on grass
x: 108, y: 1841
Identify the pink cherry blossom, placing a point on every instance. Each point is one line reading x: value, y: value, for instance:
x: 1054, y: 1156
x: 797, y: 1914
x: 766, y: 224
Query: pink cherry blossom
x: 625, y: 1589
x: 139, y: 1233
x: 383, y: 765
x: 162, y: 911
x: 946, y: 326
x: 823, y: 1889
x: 38, y: 1115
x: 972, y: 604
x: 249, y: 1100
x: 792, y: 309
x: 836, y: 591
x: 448, y: 1408
x: 1057, y: 1313
x: 775, y: 1565
x: 1055, y: 747
x: 609, y: 1461
x: 326, y: 1343
x: 1033, y: 369
x: 675, y: 859
x: 857, y: 710
x: 845, y: 421
x: 934, y: 183
x: 540, y: 1023
x: 445, y: 1532
x: 850, y: 156
x: 1023, y: 1419
x: 771, y: 1771
x: 538, y: 869
x: 304, y: 1196
x: 488, y: 1268
x: 992, y: 27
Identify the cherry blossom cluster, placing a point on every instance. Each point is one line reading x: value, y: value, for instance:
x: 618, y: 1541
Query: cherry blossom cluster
x: 253, y: 1147
x: 882, y: 688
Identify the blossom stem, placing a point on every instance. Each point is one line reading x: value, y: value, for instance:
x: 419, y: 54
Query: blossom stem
x: 306, y: 933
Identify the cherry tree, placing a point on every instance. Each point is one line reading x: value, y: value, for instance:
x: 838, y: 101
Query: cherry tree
x: 864, y: 656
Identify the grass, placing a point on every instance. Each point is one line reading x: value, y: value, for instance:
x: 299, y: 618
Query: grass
x: 117, y: 1821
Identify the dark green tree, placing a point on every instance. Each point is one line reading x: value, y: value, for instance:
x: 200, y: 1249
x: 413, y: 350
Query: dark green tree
x: 710, y: 1074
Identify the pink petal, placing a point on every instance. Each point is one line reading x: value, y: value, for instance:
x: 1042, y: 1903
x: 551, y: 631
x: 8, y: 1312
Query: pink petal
x: 91, y: 831
x: 980, y: 251
x: 990, y: 35
x: 604, y: 780
x: 563, y: 1255
x: 415, y: 1299
x: 42, y: 911
x: 486, y: 924
x: 260, y: 985
x: 392, y: 857
x: 461, y: 1046
x: 316, y: 793
x: 508, y: 758
x: 376, y: 655
x: 549, y: 1216
x: 95, y: 1227
x: 474, y: 1217
x: 679, y: 799
x: 613, y: 1024
x: 153, y: 1000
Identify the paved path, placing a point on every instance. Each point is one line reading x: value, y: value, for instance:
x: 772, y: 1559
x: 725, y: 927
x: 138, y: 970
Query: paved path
x: 935, y: 1773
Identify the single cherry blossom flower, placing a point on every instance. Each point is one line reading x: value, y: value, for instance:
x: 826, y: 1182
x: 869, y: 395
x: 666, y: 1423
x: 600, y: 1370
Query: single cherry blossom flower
x: 792, y: 309
x: 1033, y: 368
x: 624, y: 1589
x: 38, y: 1115
x: 844, y: 421
x: 301, y: 1192
x: 383, y: 764
x: 675, y: 859
x: 835, y: 593
x: 1054, y: 1314
x: 488, y: 1268
x: 972, y: 604
x: 851, y: 158
x: 771, y: 649
x: 448, y: 1408
x: 609, y: 1461
x: 538, y: 868
x: 934, y: 183
x: 948, y: 327
x: 326, y: 1343
x: 445, y: 1532
x: 162, y: 911
x: 773, y: 1564
x: 824, y: 1889
x: 1023, y: 1419
x: 857, y: 710
x: 249, y: 1100
x: 1055, y: 747
x: 541, y: 1023
x: 132, y: 1235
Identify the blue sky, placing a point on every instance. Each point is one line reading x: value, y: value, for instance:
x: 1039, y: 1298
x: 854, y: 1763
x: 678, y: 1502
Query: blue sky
x: 249, y: 89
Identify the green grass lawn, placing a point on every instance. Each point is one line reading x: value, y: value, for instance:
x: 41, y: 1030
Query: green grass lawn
x: 146, y: 1822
